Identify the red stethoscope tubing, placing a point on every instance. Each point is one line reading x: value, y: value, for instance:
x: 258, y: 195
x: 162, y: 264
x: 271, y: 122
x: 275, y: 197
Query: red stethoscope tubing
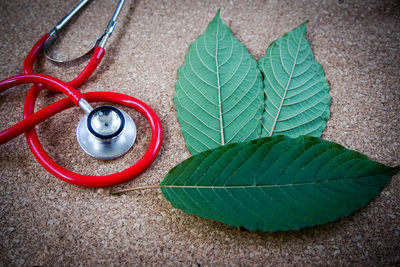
x: 30, y: 119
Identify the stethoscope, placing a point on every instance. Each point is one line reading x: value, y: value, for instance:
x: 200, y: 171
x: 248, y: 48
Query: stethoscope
x: 105, y: 132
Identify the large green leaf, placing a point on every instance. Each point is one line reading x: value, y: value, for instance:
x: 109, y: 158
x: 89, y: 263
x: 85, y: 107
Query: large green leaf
x: 219, y: 95
x: 297, y: 92
x: 275, y: 183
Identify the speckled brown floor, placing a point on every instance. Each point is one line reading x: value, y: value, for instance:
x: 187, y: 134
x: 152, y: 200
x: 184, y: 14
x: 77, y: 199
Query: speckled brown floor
x: 45, y: 221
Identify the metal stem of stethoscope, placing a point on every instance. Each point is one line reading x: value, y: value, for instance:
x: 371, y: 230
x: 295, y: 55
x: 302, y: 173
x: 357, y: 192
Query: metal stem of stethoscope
x: 105, y: 132
x: 100, y: 41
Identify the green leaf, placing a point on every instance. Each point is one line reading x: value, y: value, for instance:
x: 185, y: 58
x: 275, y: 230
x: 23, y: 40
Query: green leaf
x: 219, y: 95
x: 275, y: 183
x: 297, y: 92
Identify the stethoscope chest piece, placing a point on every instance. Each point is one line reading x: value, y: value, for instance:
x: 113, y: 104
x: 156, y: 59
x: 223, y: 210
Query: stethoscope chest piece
x: 106, y: 132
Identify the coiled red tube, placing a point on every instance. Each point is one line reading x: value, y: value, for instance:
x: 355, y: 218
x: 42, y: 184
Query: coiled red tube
x: 30, y: 119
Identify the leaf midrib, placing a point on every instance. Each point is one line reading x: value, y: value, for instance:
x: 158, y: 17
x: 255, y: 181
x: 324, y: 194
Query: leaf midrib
x: 267, y: 185
x: 221, y: 123
x: 286, y: 89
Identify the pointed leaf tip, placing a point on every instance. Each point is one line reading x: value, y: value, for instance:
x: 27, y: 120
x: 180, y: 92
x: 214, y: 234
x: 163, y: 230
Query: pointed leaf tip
x: 217, y: 16
x: 396, y: 170
x: 304, y: 25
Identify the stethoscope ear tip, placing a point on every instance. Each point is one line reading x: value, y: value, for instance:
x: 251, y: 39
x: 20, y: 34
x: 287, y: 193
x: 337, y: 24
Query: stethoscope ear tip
x: 106, y: 132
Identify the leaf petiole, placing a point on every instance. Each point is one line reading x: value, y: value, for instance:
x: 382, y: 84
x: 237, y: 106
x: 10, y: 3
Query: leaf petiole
x: 118, y: 192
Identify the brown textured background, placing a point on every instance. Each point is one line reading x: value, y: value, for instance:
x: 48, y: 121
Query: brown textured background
x: 47, y: 221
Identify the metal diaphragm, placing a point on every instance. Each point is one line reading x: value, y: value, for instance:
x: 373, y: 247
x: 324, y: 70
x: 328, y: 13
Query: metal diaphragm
x: 106, y: 132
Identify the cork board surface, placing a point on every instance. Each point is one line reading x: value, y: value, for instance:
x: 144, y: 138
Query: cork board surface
x: 45, y: 221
